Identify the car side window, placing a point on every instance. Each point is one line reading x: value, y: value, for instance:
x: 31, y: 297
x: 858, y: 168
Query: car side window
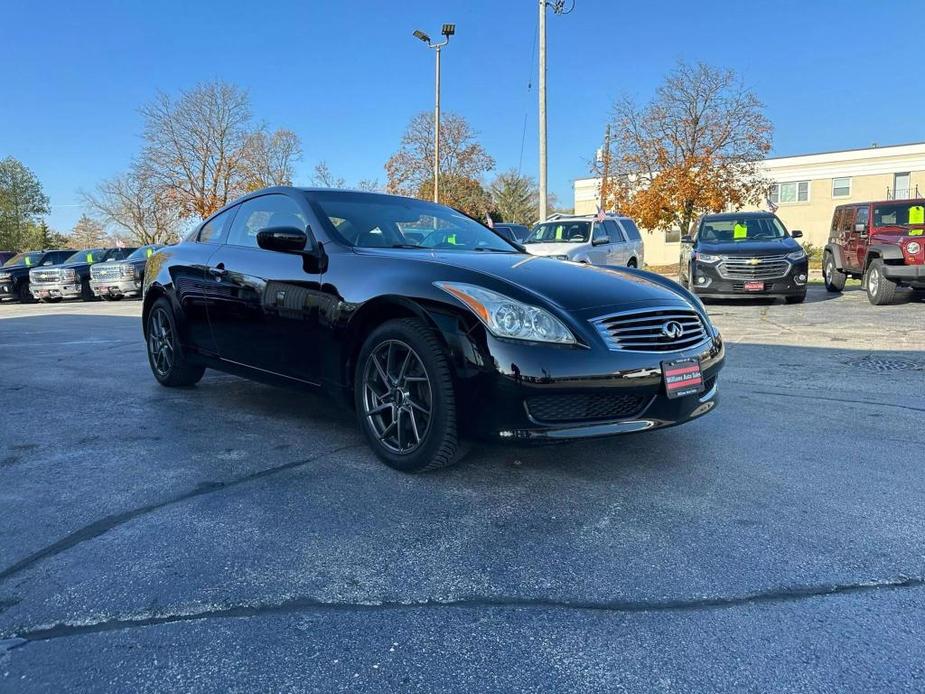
x: 836, y: 219
x: 632, y: 231
x: 263, y: 212
x: 214, y: 230
x: 863, y: 216
x: 598, y: 232
x: 847, y: 220
x: 613, y: 231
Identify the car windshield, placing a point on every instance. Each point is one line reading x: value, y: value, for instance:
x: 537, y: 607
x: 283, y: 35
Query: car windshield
x: 27, y: 259
x: 560, y: 232
x: 900, y: 214
x: 370, y: 220
x: 90, y: 255
x: 143, y: 252
x: 743, y: 230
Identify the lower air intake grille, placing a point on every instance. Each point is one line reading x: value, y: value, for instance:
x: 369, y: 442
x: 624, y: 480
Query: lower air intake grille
x: 581, y: 407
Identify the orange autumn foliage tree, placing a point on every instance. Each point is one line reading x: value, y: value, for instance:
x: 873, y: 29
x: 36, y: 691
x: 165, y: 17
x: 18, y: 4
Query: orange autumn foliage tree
x: 694, y: 148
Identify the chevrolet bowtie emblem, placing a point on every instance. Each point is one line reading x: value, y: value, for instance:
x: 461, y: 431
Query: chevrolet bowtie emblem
x: 754, y: 261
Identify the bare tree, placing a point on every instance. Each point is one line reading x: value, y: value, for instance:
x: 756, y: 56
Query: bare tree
x: 268, y: 159
x: 370, y: 185
x: 324, y: 178
x: 135, y: 205
x: 87, y: 233
x: 195, y: 145
x: 694, y: 148
x: 462, y: 157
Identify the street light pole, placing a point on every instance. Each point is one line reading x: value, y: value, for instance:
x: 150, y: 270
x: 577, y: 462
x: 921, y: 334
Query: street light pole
x: 558, y: 6
x: 542, y: 109
x: 447, y: 31
x: 437, y: 131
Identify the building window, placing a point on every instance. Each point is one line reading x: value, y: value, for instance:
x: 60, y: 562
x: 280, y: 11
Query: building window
x: 902, y: 182
x: 841, y: 187
x: 793, y: 191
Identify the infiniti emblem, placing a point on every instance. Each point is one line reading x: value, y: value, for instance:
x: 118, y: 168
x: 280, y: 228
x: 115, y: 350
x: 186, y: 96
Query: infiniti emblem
x: 672, y: 329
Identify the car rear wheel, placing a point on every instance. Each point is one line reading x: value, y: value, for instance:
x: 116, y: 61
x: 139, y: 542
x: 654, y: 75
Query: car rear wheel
x: 834, y: 278
x: 169, y: 364
x: 405, y: 402
x: 880, y: 290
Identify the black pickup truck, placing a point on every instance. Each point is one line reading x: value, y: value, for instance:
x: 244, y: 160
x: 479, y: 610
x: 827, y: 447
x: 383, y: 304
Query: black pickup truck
x: 14, y: 273
x: 71, y: 279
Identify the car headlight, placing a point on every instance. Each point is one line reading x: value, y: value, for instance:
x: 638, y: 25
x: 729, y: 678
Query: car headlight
x: 506, y: 317
x: 128, y: 271
x: 69, y: 275
x: 5, y: 276
x: 913, y: 247
x: 796, y: 255
x: 708, y: 258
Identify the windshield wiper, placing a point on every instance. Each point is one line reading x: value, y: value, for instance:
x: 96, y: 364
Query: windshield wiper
x: 407, y: 245
x: 492, y: 250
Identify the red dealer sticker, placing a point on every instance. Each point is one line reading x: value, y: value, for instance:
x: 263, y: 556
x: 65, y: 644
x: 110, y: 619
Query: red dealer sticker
x: 682, y: 377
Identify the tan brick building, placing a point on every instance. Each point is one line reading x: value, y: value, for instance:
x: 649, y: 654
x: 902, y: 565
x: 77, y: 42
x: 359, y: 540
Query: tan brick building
x: 806, y: 189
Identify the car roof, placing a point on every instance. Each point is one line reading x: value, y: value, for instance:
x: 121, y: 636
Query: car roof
x: 721, y: 216
x: 883, y: 202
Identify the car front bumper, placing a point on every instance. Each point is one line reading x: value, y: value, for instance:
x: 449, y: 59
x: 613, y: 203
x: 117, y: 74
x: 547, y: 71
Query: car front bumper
x: 912, y: 274
x: 498, y: 395
x: 120, y: 287
x: 55, y: 290
x: 707, y: 281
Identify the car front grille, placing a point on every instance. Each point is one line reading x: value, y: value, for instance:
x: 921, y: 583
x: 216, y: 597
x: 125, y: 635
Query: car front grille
x: 108, y: 272
x: 759, y: 267
x: 664, y: 329
x: 585, y: 407
x: 40, y: 276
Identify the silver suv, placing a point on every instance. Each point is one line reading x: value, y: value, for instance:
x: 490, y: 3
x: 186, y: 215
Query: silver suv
x: 586, y: 239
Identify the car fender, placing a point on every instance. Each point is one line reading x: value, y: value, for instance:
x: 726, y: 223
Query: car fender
x: 886, y: 251
x: 837, y: 254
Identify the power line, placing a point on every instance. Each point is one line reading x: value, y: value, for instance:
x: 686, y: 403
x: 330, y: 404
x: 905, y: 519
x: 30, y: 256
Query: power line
x: 523, y: 136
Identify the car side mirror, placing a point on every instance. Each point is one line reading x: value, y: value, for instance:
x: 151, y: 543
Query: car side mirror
x: 687, y: 240
x: 797, y: 234
x: 282, y: 239
x: 600, y: 241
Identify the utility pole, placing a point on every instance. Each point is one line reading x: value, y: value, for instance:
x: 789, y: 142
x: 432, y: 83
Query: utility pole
x: 542, y: 110
x: 447, y: 31
x: 558, y: 6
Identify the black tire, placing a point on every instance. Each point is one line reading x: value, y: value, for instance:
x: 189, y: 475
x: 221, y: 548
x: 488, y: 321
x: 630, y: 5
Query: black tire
x: 631, y: 263
x: 383, y: 393
x: 796, y: 299
x: 834, y: 278
x: 880, y: 290
x: 169, y: 364
x: 86, y: 294
x: 23, y: 294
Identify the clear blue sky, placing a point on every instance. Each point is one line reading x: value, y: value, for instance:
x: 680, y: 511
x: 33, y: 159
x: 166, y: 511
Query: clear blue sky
x: 347, y: 75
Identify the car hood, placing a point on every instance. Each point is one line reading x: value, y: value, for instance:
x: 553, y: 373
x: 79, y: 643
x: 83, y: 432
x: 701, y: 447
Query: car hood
x: 551, y: 248
x: 572, y: 286
x: 751, y: 248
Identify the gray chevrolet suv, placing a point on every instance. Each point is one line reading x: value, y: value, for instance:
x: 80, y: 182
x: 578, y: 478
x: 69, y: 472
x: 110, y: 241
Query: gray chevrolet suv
x: 586, y: 239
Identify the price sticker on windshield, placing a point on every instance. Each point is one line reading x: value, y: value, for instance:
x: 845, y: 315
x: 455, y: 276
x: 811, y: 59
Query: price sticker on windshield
x: 682, y: 377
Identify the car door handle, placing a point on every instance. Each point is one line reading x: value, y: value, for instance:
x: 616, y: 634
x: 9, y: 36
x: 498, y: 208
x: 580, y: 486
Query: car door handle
x: 218, y: 271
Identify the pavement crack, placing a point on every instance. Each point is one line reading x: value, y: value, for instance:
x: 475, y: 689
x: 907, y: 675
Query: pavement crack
x: 104, y: 525
x: 856, y: 401
x: 305, y: 604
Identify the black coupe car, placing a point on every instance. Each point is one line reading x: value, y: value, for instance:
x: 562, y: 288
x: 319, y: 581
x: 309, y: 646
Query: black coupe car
x: 429, y: 324
x: 744, y: 254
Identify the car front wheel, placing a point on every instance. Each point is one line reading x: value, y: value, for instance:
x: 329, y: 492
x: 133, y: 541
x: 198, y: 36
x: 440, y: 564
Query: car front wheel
x: 880, y: 290
x: 405, y: 402
x: 169, y: 364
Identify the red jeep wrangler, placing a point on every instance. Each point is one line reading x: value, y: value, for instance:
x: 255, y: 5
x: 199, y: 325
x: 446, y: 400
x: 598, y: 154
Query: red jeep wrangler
x: 881, y: 242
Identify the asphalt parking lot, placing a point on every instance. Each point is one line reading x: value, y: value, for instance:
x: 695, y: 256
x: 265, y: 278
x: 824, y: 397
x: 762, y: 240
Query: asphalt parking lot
x: 238, y: 537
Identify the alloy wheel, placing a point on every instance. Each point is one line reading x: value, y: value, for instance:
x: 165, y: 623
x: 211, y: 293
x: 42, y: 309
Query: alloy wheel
x: 161, y: 346
x: 397, y: 396
x: 873, y: 281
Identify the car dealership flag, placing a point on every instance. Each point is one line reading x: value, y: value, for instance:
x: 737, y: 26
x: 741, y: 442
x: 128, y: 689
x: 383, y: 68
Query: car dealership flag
x: 601, y: 215
x: 489, y: 222
x: 772, y: 206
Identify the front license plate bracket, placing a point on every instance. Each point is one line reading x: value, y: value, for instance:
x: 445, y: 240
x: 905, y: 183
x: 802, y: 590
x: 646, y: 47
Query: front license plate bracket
x: 682, y: 377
